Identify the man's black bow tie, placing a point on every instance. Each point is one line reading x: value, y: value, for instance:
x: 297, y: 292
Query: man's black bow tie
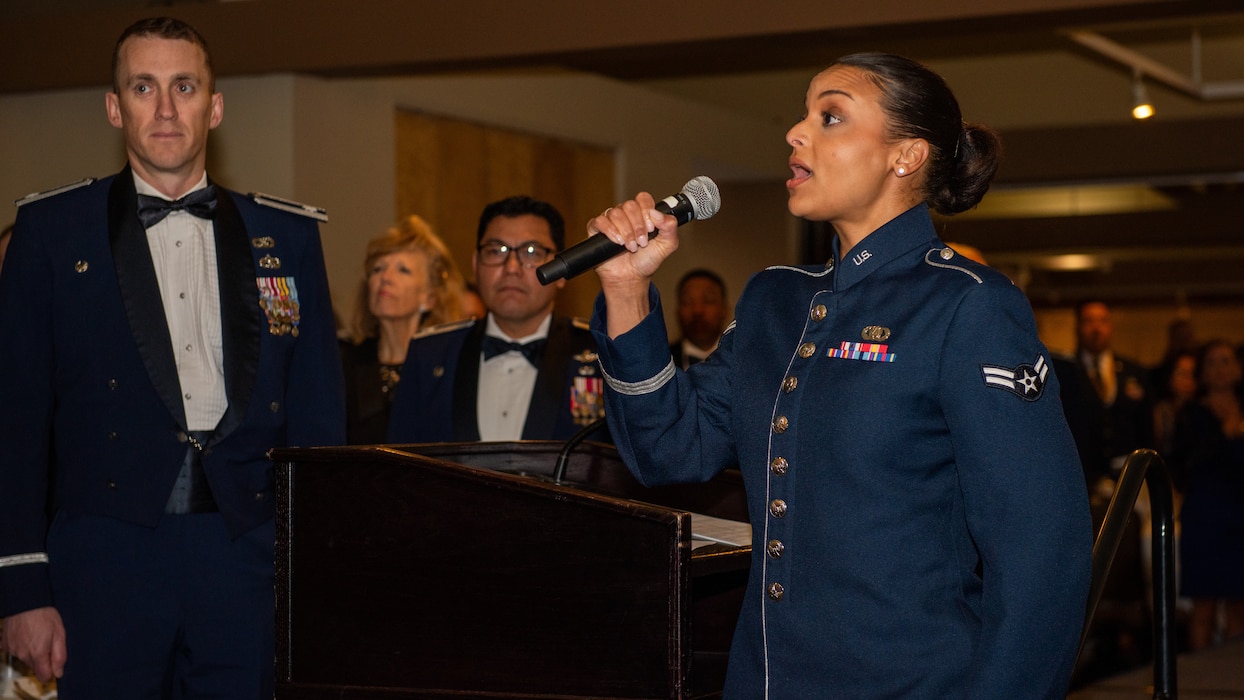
x: 201, y: 203
x: 495, y: 346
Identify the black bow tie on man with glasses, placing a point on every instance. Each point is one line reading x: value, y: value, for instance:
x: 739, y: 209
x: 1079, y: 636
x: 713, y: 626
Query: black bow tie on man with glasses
x: 494, y: 346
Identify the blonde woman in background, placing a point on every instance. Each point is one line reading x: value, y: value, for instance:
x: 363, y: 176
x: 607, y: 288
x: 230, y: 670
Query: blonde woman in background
x: 409, y: 282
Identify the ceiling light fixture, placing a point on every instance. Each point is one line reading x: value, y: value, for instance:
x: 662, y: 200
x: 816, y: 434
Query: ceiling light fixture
x: 1142, y: 107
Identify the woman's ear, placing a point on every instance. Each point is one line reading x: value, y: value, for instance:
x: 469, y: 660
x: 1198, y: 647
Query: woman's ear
x: 912, y: 156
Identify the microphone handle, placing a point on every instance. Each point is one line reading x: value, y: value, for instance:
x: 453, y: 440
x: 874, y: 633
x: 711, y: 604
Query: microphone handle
x: 591, y: 252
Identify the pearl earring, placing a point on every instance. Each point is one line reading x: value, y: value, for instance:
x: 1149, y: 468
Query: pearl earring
x: 902, y: 171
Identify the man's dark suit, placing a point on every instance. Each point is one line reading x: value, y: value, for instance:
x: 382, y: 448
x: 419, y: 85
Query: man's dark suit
x: 436, y: 400
x: 1105, y: 432
x: 681, y: 359
x: 92, y: 421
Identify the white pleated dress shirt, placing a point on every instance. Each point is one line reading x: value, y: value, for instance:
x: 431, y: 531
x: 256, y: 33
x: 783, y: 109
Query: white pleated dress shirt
x: 506, y: 383
x: 183, y: 250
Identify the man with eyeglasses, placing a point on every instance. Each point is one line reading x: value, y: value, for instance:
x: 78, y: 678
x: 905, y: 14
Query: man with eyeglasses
x: 520, y: 373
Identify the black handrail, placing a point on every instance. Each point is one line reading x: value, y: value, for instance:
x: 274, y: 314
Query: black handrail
x: 1143, y: 466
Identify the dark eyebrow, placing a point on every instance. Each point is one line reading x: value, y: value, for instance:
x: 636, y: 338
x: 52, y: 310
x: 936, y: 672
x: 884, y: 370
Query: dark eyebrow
x: 524, y: 244
x: 834, y: 91
x: 149, y: 78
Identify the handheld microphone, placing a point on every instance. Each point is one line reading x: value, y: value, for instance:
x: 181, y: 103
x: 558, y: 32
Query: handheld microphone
x: 698, y: 200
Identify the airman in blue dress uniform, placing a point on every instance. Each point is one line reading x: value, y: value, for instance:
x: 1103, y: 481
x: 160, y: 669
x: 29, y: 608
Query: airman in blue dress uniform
x: 920, y: 523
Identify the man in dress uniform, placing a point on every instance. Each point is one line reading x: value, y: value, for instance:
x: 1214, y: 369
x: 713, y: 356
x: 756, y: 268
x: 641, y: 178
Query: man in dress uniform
x: 158, y: 335
x: 520, y: 372
x: 701, y: 316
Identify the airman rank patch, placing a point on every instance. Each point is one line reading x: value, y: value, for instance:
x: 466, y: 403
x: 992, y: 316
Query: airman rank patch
x: 278, y: 297
x: 871, y: 352
x: 586, y: 399
x: 1025, y: 381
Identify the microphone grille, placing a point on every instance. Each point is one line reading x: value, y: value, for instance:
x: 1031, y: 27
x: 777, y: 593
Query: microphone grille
x: 704, y: 196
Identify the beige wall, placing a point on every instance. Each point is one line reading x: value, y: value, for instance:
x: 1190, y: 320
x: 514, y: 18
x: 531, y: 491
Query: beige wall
x: 330, y: 143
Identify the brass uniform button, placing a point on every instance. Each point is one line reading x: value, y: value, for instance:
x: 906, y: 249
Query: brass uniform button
x: 775, y: 548
x: 776, y: 591
x: 807, y: 350
x: 818, y: 312
x: 780, y: 424
x: 790, y: 384
x: 778, y: 466
x: 947, y: 253
x: 275, y: 406
x: 777, y: 508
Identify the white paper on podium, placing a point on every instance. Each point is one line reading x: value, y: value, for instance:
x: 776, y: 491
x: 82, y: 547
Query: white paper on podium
x: 705, y: 529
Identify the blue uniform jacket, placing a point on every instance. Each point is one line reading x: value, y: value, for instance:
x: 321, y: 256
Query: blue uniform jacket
x: 920, y: 523
x: 437, y: 396
x: 91, y: 419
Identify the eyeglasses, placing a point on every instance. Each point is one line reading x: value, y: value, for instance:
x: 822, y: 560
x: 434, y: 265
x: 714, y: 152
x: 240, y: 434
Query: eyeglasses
x: 529, y: 254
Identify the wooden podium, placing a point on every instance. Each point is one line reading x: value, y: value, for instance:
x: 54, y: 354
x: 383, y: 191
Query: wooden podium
x: 462, y: 571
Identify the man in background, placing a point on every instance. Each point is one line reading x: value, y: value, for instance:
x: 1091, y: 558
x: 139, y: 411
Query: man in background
x: 158, y: 335
x: 1105, y: 396
x: 520, y: 372
x: 702, y: 315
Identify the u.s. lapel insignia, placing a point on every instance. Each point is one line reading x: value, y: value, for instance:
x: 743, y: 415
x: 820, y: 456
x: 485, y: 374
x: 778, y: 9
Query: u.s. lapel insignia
x: 269, y: 262
x: 262, y: 242
x: 587, y: 402
x: 81, y: 266
x: 278, y: 297
x: 875, y: 334
x: 1025, y: 381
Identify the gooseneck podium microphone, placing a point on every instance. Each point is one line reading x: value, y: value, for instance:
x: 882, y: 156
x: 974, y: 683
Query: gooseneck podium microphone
x: 698, y: 200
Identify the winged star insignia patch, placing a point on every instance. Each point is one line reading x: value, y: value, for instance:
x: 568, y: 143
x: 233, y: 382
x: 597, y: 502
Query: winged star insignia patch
x: 1025, y: 381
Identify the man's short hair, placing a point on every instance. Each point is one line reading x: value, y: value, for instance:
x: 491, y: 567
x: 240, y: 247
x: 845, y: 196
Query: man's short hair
x: 703, y: 273
x: 162, y: 28
x: 1085, y: 303
x: 519, y: 205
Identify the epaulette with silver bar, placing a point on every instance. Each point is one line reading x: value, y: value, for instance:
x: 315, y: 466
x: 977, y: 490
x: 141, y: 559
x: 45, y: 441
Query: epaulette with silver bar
x: 53, y: 192
x: 445, y: 327
x: 290, y: 206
